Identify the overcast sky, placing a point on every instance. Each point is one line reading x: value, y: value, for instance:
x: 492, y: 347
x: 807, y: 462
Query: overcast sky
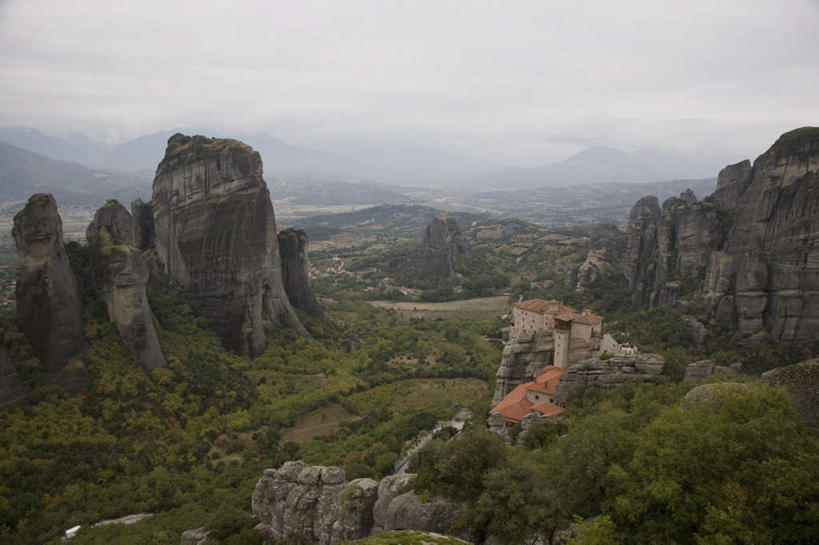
x: 515, y: 82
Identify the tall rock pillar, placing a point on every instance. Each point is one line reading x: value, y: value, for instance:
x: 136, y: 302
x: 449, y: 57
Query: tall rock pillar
x: 48, y: 305
x: 215, y: 234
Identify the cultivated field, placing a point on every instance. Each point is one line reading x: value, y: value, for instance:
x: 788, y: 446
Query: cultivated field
x: 480, y: 308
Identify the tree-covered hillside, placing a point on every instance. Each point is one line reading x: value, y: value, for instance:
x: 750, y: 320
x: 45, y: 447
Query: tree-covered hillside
x: 188, y: 441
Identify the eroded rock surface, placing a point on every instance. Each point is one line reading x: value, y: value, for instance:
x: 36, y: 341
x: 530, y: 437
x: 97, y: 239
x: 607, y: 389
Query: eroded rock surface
x: 610, y: 373
x: 523, y: 357
x: 802, y: 382
x: 443, y: 245
x: 749, y: 252
x: 121, y: 273
x: 293, y: 250
x: 316, y: 504
x: 143, y: 224
x: 595, y: 267
x: 216, y: 238
x: 49, y: 311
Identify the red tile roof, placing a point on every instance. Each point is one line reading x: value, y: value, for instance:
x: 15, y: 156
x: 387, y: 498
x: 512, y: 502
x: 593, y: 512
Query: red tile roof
x: 515, y: 405
x: 542, y: 306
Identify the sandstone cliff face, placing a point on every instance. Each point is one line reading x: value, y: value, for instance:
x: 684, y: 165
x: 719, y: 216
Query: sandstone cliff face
x: 49, y: 311
x: 216, y: 238
x: 610, y: 373
x: 523, y: 357
x: 121, y: 273
x: 143, y: 224
x: 749, y: 252
x: 640, y: 262
x: 316, y: 504
x: 293, y: 249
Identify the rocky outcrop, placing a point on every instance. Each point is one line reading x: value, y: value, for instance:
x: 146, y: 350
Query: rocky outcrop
x: 610, y: 373
x: 749, y: 253
x: 197, y: 536
x: 215, y: 234
x: 398, y: 510
x: 293, y: 250
x: 595, y: 267
x: 313, y: 504
x: 121, y: 273
x: 523, y: 357
x: 640, y: 261
x: 49, y: 311
x: 442, y: 246
x: 316, y: 504
x: 711, y: 394
x: 143, y: 224
x: 700, y: 369
x: 802, y: 382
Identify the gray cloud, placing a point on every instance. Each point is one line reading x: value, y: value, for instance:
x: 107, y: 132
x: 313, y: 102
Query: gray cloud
x: 516, y: 82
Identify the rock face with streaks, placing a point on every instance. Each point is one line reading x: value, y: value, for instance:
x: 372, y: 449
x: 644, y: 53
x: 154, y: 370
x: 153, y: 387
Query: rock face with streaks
x: 316, y: 504
x: 610, y: 373
x: 749, y: 253
x: 640, y: 262
x: 215, y: 235
x: 523, y: 357
x: 49, y: 311
x: 293, y: 250
x: 121, y: 273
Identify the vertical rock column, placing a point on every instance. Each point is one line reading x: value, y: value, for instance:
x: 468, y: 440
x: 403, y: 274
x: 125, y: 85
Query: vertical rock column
x: 293, y: 248
x: 121, y: 274
x: 48, y: 306
x: 216, y: 238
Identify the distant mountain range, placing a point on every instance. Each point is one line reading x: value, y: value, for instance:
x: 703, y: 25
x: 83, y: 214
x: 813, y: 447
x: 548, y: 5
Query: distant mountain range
x: 600, y: 165
x: 23, y: 173
x: 384, y: 161
x: 388, y: 161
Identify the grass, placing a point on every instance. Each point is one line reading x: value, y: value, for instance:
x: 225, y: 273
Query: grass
x: 319, y: 422
x: 479, y: 308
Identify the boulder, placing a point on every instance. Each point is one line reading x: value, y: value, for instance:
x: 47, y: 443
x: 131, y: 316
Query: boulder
x: 316, y: 504
x: 196, y: 536
x: 710, y: 394
x: 215, y: 235
x: 802, y: 382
